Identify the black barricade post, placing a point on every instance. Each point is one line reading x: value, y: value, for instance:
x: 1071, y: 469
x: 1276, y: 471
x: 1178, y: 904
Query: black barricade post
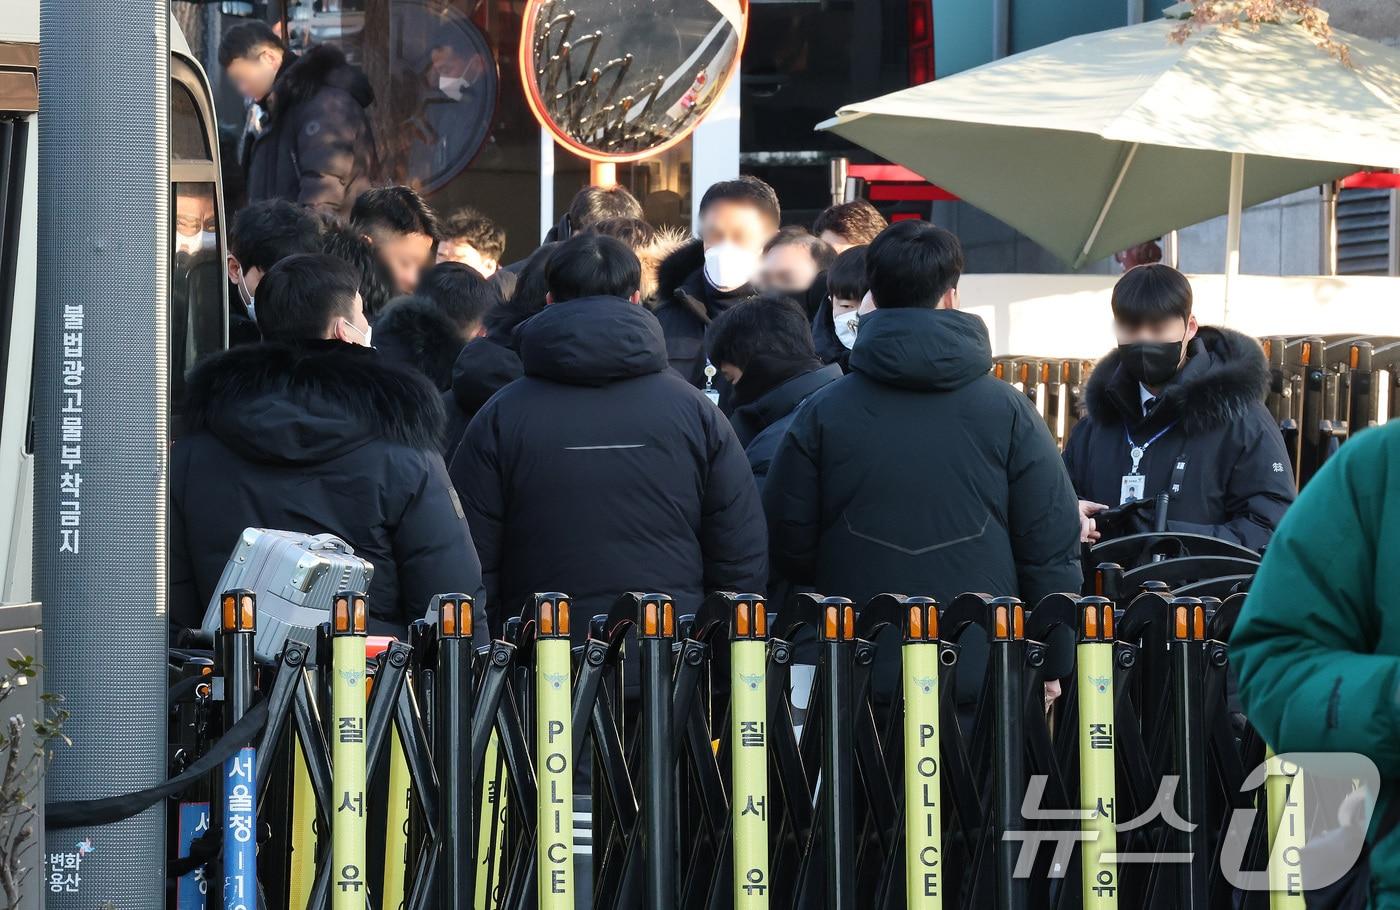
x: 1008, y: 749
x: 238, y: 624
x: 1187, y: 651
x: 1361, y: 406
x: 838, y: 753
x: 452, y: 718
x: 657, y: 631
x: 1108, y: 581
x: 1310, y: 424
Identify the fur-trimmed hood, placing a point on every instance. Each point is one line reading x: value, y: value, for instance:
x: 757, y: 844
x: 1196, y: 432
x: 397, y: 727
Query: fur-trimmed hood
x: 1225, y: 374
x: 654, y: 257
x: 414, y: 332
x: 308, y: 403
x: 677, y: 267
x: 324, y: 66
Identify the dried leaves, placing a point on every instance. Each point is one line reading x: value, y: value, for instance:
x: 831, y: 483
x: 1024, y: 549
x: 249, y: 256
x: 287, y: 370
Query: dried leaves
x: 1235, y: 14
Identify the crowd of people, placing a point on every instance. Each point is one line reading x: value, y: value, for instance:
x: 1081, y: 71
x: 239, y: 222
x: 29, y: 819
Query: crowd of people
x: 763, y: 407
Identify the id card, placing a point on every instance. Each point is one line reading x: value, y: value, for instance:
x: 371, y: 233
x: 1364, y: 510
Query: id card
x: 1133, y: 487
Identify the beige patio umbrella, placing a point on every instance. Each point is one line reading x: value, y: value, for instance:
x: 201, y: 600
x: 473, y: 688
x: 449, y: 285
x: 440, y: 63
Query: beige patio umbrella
x: 1103, y: 141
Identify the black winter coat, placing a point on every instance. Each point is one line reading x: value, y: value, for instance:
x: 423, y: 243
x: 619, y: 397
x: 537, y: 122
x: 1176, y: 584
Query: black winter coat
x: 761, y: 424
x: 687, y: 307
x: 318, y: 438
x: 920, y: 473
x: 317, y: 146
x: 1236, y: 482
x: 602, y: 472
x: 483, y: 368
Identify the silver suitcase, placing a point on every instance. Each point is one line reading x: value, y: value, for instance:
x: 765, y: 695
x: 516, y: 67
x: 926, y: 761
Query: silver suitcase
x: 294, y: 576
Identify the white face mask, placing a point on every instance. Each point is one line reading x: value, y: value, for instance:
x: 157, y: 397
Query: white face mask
x: 367, y: 334
x: 246, y: 297
x: 453, y: 86
x: 846, y: 324
x: 729, y: 266
x: 195, y: 243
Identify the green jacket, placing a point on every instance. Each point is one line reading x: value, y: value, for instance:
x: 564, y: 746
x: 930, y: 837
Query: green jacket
x: 1317, y: 644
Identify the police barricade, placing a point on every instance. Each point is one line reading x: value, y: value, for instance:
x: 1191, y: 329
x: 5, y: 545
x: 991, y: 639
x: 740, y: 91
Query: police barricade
x: 978, y: 753
x: 1322, y: 390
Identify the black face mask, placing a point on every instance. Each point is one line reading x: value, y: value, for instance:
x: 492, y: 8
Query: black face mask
x: 1151, y: 363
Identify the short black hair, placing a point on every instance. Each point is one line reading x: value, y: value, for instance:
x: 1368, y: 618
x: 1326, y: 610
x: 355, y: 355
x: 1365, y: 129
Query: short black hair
x: 411, y: 331
x: 528, y: 297
x: 460, y: 293
x: 397, y: 209
x: 1148, y: 294
x: 858, y: 222
x: 246, y: 39
x: 300, y: 295
x: 634, y: 232
x: 467, y: 225
x: 846, y: 279
x: 600, y: 203
x: 266, y: 232
x: 348, y: 244
x: 820, y: 251
x: 912, y: 264
x: 771, y: 325
x: 591, y: 265
x: 748, y: 191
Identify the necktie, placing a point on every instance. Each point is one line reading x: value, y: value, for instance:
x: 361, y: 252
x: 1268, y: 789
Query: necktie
x: 1148, y: 405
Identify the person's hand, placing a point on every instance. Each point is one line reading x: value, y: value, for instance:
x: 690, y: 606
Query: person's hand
x: 1088, y: 533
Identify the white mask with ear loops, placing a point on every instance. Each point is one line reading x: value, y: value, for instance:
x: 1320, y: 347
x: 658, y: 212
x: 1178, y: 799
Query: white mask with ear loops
x: 846, y: 324
x: 729, y: 266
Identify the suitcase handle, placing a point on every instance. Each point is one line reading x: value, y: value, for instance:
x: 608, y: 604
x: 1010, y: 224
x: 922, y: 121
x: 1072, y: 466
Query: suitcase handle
x: 329, y: 542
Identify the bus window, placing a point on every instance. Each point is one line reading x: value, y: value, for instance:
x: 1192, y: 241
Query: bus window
x: 187, y: 134
x: 197, y: 282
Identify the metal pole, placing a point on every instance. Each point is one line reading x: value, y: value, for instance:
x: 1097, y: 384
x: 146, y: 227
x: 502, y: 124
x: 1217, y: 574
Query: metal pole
x: 452, y: 720
x: 748, y: 750
x: 1097, y: 785
x: 101, y: 435
x: 1001, y: 28
x: 657, y: 629
x: 840, y: 168
x: 1232, y: 229
x: 838, y: 753
x: 348, y: 751
x: 1009, y: 699
x: 1328, y: 265
x: 1186, y: 649
x: 923, y: 798
x: 236, y: 630
x: 554, y: 807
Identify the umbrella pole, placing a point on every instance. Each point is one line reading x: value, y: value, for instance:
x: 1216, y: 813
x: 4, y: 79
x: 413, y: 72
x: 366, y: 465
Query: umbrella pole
x: 1232, y: 229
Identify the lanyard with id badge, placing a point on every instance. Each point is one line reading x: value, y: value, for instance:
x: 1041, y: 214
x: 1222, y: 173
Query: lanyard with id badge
x: 710, y: 391
x: 1134, y: 483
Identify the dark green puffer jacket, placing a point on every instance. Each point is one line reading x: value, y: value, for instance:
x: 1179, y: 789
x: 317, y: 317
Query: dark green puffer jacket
x: 1318, y: 642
